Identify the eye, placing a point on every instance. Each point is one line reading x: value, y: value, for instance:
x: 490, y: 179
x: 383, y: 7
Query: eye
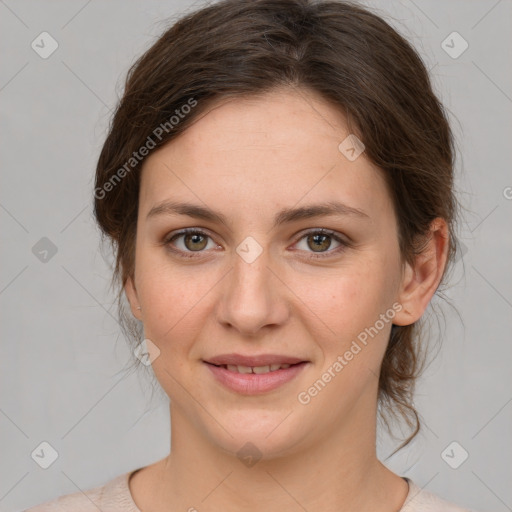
x: 319, y: 241
x: 192, y: 240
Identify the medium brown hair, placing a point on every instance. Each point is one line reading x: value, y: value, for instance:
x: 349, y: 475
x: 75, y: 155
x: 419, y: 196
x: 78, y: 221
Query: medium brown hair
x: 353, y: 59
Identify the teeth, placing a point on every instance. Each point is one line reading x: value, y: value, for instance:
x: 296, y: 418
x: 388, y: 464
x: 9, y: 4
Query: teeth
x: 257, y: 369
x: 261, y: 369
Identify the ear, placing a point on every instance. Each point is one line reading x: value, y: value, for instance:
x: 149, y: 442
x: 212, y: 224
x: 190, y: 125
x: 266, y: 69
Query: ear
x: 131, y: 295
x: 421, y: 279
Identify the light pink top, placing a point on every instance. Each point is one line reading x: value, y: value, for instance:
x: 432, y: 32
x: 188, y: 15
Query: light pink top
x: 115, y: 496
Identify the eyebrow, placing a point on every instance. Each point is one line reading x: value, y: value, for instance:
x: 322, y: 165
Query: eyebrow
x: 286, y: 215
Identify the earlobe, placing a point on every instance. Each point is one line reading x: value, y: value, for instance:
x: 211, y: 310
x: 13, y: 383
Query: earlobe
x: 131, y: 295
x: 422, y: 277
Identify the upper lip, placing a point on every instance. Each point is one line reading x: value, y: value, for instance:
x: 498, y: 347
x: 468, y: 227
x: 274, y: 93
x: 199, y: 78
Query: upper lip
x: 259, y: 360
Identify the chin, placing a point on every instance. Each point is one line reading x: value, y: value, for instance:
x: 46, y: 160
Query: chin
x: 264, y: 435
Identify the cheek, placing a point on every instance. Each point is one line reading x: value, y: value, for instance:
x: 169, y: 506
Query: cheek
x: 354, y: 345
x: 350, y: 305
x: 173, y: 319
x: 350, y: 300
x: 172, y: 299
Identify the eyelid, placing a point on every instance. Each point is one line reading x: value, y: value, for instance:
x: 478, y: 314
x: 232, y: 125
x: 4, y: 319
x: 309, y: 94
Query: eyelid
x: 185, y: 231
x: 339, y: 237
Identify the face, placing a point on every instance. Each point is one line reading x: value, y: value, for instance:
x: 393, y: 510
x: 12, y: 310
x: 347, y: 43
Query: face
x: 264, y: 279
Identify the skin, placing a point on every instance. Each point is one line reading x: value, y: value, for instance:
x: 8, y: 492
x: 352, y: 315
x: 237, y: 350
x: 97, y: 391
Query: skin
x: 248, y: 159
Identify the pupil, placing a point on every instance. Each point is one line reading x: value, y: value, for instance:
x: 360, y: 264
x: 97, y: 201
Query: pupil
x: 196, y: 239
x: 317, y: 239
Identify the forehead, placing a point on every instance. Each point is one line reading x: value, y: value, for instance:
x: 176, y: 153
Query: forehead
x: 271, y: 149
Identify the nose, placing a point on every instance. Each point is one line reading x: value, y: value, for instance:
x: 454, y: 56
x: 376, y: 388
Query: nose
x: 253, y: 298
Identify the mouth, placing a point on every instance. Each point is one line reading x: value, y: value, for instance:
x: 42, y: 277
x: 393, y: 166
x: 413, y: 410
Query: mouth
x: 251, y: 375
x: 253, y: 361
x: 254, y: 369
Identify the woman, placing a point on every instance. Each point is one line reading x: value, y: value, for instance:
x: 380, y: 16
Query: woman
x: 278, y: 187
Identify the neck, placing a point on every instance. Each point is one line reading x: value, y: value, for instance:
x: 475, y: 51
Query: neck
x: 339, y: 474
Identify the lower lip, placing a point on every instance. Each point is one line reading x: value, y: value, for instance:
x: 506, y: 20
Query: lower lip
x: 255, y: 383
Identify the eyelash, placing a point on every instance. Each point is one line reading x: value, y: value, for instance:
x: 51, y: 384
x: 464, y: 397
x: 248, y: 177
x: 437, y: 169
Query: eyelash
x: 190, y: 254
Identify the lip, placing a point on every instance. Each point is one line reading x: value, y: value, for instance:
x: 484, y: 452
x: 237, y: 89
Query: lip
x: 258, y: 360
x: 254, y: 383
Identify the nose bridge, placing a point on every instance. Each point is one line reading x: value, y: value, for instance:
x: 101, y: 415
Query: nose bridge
x: 250, y: 299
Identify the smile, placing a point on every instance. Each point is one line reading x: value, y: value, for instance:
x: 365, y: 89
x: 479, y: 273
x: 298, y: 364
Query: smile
x: 255, y: 369
x: 254, y: 380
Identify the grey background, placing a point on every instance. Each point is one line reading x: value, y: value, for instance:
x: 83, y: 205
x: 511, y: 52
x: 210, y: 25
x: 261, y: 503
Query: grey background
x: 62, y: 355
